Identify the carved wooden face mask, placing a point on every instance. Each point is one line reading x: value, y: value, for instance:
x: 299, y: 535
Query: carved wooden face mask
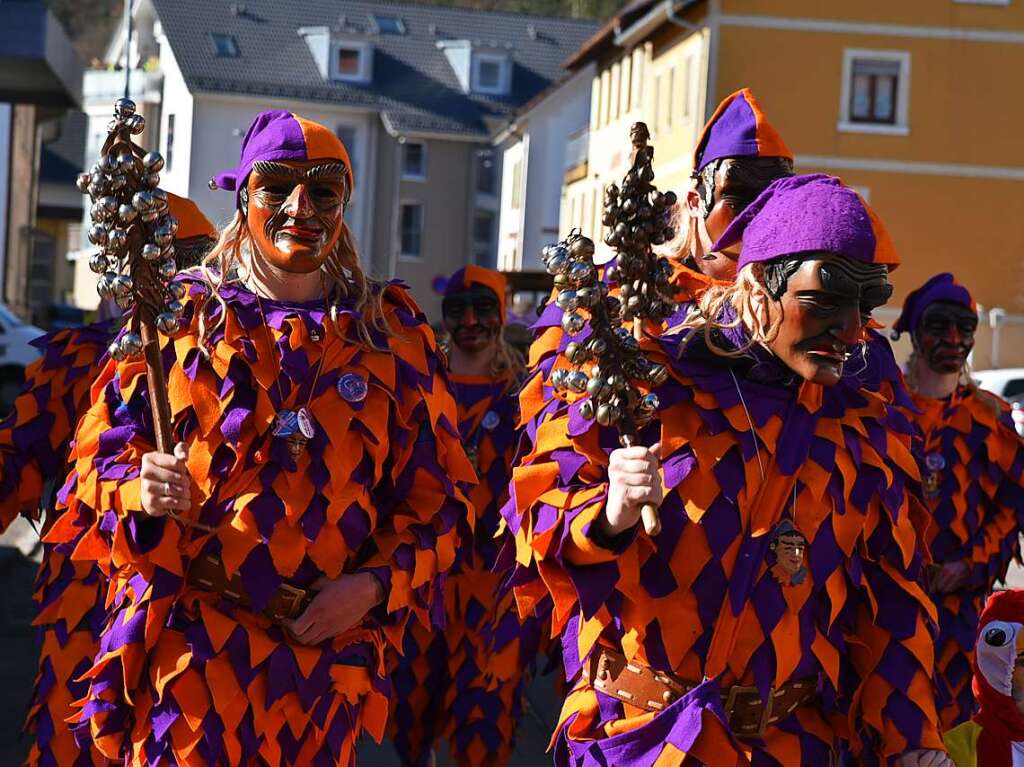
x: 295, y: 211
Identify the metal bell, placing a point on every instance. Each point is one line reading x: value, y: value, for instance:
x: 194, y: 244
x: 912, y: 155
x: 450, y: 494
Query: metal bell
x: 567, y: 301
x: 151, y: 252
x: 648, y: 404
x: 167, y: 323
x: 122, y: 285
x: 577, y: 353
x: 83, y: 181
x: 117, y: 183
x: 98, y: 234
x: 127, y: 213
x: 581, y: 274
x: 124, y: 108
x: 136, y: 124
x: 98, y: 263
x: 149, y: 216
x: 98, y: 213
x: 657, y: 375
x: 167, y: 269
x: 108, y: 203
x: 558, y: 379
x: 124, y: 303
x: 163, y: 236
x: 177, y: 290
x: 142, y: 201
x: 125, y: 162
x: 117, y: 240
x: 176, y: 307
x: 572, y: 323
x: 114, y: 350
x: 108, y: 163
x: 577, y: 381
x: 152, y: 180
x: 171, y: 223
x: 131, y: 344
x: 105, y: 286
x: 587, y: 409
x: 557, y: 263
x: 582, y: 248
x: 153, y: 162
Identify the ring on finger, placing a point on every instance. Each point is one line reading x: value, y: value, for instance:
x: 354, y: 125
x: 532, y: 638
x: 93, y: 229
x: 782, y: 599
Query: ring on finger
x: 168, y: 489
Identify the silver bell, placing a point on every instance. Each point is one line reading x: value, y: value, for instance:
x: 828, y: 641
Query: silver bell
x: 142, y: 201
x: 105, y: 286
x: 108, y: 163
x: 108, y: 203
x: 98, y: 234
x: 151, y: 252
x: 152, y: 180
x: 168, y: 323
x: 125, y: 162
x: 171, y: 223
x: 136, y: 124
x: 98, y: 213
x: 122, y: 285
x: 117, y: 183
x: 177, y: 290
x: 567, y: 301
x: 167, y: 269
x: 176, y: 307
x: 124, y: 303
x: 153, y: 162
x: 114, y: 350
x: 572, y: 323
x: 127, y: 213
x: 124, y: 108
x: 577, y: 381
x: 117, y: 240
x: 131, y: 344
x: 163, y: 236
x: 98, y: 263
x: 149, y: 216
x: 83, y: 181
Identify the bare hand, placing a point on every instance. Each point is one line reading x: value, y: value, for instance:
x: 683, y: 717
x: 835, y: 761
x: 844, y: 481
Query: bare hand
x: 339, y: 606
x: 166, y: 483
x: 633, y: 480
x: 925, y: 758
x: 950, y: 577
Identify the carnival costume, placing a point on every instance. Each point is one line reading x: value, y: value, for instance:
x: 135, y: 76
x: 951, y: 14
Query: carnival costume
x: 467, y: 683
x: 318, y: 444
x: 787, y: 565
x: 972, y: 466
x: 34, y: 442
x: 995, y: 736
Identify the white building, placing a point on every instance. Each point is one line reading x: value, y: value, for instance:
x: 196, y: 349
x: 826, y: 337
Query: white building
x: 537, y: 148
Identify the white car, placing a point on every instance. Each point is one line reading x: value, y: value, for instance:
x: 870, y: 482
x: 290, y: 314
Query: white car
x: 1008, y: 383
x: 16, y: 353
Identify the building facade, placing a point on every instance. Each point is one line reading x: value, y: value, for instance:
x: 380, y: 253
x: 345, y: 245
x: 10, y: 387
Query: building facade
x: 414, y: 91
x: 905, y: 101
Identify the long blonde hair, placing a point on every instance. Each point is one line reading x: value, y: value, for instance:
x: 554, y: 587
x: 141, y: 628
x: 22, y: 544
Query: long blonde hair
x: 224, y: 265
x: 749, y: 301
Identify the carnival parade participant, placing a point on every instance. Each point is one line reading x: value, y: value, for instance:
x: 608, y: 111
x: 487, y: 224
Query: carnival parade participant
x: 995, y: 736
x: 739, y: 153
x: 776, y: 618
x: 310, y: 507
x: 972, y: 467
x: 467, y: 683
x: 34, y: 444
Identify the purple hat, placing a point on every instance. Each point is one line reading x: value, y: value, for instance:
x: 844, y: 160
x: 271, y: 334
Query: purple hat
x: 809, y: 213
x: 279, y: 135
x: 941, y: 287
x: 738, y: 128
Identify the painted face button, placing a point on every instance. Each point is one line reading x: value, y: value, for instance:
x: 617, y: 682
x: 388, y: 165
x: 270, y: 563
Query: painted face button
x: 491, y: 420
x: 352, y: 387
x: 935, y: 462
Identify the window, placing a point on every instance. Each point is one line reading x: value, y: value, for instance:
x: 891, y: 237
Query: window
x: 517, y: 183
x: 490, y: 74
x: 411, y: 230
x: 483, y: 238
x: 686, y: 89
x: 875, y: 92
x: 627, y: 81
x: 389, y: 25
x: 414, y: 161
x: 486, y: 178
x: 616, y: 86
x: 657, y: 103
x: 351, y: 61
x: 606, y: 97
x: 169, y: 143
x: 224, y: 45
x: 670, y: 102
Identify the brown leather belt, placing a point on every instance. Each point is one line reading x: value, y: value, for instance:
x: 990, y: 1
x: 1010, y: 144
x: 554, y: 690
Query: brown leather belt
x: 643, y: 687
x: 207, y: 573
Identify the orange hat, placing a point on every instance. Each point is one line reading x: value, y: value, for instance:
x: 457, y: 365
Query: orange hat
x: 478, y: 275
x: 191, y: 221
x: 738, y: 128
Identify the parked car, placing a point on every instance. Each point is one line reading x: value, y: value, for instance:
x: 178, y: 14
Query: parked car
x: 16, y: 353
x: 1008, y: 383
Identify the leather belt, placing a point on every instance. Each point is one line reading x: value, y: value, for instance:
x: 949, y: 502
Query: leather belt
x: 207, y: 573
x: 643, y: 687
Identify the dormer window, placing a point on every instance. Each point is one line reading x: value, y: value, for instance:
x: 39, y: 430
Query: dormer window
x: 389, y: 25
x: 351, y: 61
x: 491, y: 74
x: 224, y: 46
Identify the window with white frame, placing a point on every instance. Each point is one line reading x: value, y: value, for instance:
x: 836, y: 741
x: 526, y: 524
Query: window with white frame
x: 517, y: 183
x: 490, y: 74
x: 875, y: 91
x: 483, y: 238
x: 351, y: 61
x: 414, y: 161
x: 486, y: 175
x: 411, y: 230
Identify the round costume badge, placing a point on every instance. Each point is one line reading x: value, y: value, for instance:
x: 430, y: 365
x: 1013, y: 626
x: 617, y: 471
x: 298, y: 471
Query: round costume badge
x: 352, y: 387
x: 286, y: 423
x: 305, y: 422
x: 935, y: 462
x: 491, y: 420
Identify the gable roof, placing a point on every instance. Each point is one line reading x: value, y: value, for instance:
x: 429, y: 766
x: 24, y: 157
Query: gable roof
x: 413, y: 85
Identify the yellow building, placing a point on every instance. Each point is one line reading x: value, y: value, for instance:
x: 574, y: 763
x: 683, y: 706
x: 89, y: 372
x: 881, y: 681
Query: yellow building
x: 913, y: 102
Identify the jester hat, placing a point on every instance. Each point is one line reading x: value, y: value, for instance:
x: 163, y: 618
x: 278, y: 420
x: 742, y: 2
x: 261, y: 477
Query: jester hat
x: 478, y: 275
x: 1000, y: 642
x: 191, y: 221
x: 280, y: 135
x: 738, y: 128
x: 809, y: 214
x: 941, y: 287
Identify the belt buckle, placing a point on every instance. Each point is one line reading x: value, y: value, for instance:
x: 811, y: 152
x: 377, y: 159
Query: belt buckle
x: 766, y: 708
x: 294, y: 596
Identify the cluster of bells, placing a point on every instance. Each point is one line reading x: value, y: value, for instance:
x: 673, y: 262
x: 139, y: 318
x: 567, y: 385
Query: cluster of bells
x: 124, y: 194
x: 638, y: 217
x: 606, y: 364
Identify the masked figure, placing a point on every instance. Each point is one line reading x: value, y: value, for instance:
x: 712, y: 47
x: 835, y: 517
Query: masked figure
x: 776, y: 619
x: 467, y: 682
x: 995, y: 735
x: 972, y: 469
x: 34, y: 444
x: 310, y: 508
x: 738, y: 155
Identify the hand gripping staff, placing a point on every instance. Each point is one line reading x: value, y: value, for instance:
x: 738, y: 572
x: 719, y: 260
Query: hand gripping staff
x: 134, y: 231
x: 637, y: 215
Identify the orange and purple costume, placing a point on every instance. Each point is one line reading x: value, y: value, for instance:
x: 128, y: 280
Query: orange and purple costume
x: 755, y: 460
